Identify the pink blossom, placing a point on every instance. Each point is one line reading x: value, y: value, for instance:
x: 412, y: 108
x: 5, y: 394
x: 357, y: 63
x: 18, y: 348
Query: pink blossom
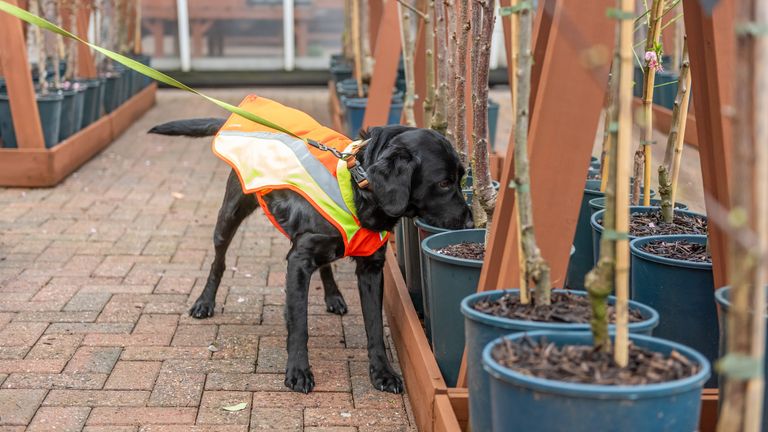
x: 652, y: 61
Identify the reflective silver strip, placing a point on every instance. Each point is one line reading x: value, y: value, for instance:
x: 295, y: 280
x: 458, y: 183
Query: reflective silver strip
x: 314, y: 167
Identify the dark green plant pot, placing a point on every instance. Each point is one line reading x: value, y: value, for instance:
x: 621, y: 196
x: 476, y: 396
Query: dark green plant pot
x: 493, y: 121
x: 113, y: 92
x: 412, y: 264
x: 424, y: 231
x: 723, y: 299
x: 450, y: 280
x: 101, y: 102
x: 594, y: 163
x: 482, y: 328
x: 67, y: 127
x: 90, y: 102
x: 597, y: 229
x: 665, y: 89
x: 49, y: 108
x: 581, y: 262
x: 520, y: 402
x: 400, y: 246
x: 597, y: 204
x: 682, y: 292
x: 79, y: 106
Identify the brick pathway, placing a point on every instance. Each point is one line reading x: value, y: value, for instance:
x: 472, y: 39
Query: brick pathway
x: 96, y: 276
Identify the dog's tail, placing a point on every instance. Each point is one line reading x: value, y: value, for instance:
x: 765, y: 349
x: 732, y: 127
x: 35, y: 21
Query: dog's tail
x: 200, y: 127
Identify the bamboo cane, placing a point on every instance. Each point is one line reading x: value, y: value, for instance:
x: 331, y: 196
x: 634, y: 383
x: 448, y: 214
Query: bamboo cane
x: 679, y: 143
x: 537, y: 269
x: 608, y: 136
x: 137, y: 30
x: 357, y: 51
x: 675, y: 140
x: 643, y: 154
x: 742, y: 395
x: 623, y: 143
x: 407, y: 41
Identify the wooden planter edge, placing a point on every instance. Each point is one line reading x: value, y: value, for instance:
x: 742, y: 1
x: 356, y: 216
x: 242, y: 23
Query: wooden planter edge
x: 48, y: 167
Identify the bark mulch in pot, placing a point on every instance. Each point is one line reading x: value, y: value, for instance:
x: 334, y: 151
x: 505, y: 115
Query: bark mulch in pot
x: 680, y: 250
x: 565, y: 308
x: 465, y: 250
x: 584, y: 364
x: 651, y: 223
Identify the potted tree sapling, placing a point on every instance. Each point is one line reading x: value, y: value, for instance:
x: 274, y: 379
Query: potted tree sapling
x: 743, y: 304
x: 666, y: 218
x: 490, y: 315
x: 584, y: 381
x: 673, y: 273
x: 49, y: 100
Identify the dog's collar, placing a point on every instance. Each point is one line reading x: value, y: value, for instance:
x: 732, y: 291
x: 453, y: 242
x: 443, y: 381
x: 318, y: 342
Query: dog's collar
x: 353, y: 165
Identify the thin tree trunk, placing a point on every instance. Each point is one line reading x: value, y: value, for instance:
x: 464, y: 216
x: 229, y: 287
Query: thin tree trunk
x: 742, y: 397
x: 365, y: 26
x: 642, y: 171
x: 407, y: 41
x: 483, y: 17
x: 451, y: 103
x: 429, y: 59
x: 50, y: 12
x: 600, y: 280
x: 438, y: 121
x: 356, y: 47
x: 42, y: 58
x: 667, y: 181
x: 537, y: 269
x: 71, y: 73
x: 460, y: 72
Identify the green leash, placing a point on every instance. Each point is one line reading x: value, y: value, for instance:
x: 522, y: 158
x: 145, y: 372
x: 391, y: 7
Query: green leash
x: 138, y: 67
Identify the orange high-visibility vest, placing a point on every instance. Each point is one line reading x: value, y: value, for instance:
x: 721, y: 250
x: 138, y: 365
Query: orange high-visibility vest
x: 265, y: 160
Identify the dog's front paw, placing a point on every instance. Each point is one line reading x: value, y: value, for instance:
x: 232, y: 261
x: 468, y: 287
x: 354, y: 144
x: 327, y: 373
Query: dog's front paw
x: 299, y: 379
x: 202, y: 309
x: 335, y: 304
x: 386, y: 380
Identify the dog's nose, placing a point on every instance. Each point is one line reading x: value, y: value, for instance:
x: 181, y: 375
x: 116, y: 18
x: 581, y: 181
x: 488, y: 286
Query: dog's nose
x: 469, y: 224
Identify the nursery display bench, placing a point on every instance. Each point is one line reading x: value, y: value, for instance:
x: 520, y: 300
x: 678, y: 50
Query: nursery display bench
x: 32, y: 164
x: 560, y: 43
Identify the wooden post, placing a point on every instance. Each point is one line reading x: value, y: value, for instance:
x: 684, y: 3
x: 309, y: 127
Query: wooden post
x: 21, y: 92
x: 375, y: 12
x: 86, y: 68
x: 711, y: 47
x: 385, y: 70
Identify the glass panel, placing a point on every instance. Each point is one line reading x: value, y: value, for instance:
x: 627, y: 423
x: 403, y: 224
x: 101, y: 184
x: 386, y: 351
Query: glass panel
x: 318, y: 28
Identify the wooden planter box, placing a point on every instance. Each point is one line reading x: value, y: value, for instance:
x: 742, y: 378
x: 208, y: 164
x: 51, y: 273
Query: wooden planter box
x: 437, y: 407
x: 47, y: 167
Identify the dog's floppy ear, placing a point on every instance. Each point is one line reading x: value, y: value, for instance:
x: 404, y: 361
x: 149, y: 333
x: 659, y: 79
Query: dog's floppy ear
x: 390, y: 176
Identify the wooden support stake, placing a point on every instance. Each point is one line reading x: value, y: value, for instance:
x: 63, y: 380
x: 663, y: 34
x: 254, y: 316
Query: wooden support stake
x: 385, y: 70
x: 86, y: 67
x: 21, y: 92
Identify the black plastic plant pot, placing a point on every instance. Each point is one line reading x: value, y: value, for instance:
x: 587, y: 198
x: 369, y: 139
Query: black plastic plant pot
x: 354, y: 109
x: 493, y: 122
x: 400, y: 246
x: 101, y: 102
x: 682, y: 292
x: 81, y: 90
x: 112, y: 92
x: 425, y: 230
x: 665, y: 89
x: 341, y: 71
x: 90, y: 102
x: 411, y: 254
x: 723, y: 299
x: 594, y: 162
x: 67, y: 127
x: 49, y: 108
x: 523, y: 402
x: 597, y: 228
x: 597, y: 204
x: 450, y: 280
x: 581, y: 262
x: 482, y: 328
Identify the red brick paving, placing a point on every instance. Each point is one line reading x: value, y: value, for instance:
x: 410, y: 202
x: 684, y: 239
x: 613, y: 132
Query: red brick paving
x: 96, y: 276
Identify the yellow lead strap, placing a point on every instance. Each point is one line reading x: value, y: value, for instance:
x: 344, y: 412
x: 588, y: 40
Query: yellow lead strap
x: 138, y: 67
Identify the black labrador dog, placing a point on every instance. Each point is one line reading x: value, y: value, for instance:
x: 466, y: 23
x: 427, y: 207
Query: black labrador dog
x: 412, y: 172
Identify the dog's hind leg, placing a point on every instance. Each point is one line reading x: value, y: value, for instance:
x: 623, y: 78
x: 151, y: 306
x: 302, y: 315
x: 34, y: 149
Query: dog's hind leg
x: 235, y: 208
x: 334, y: 301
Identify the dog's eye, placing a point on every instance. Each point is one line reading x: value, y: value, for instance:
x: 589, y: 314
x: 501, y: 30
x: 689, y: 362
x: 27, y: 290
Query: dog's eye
x: 445, y: 184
